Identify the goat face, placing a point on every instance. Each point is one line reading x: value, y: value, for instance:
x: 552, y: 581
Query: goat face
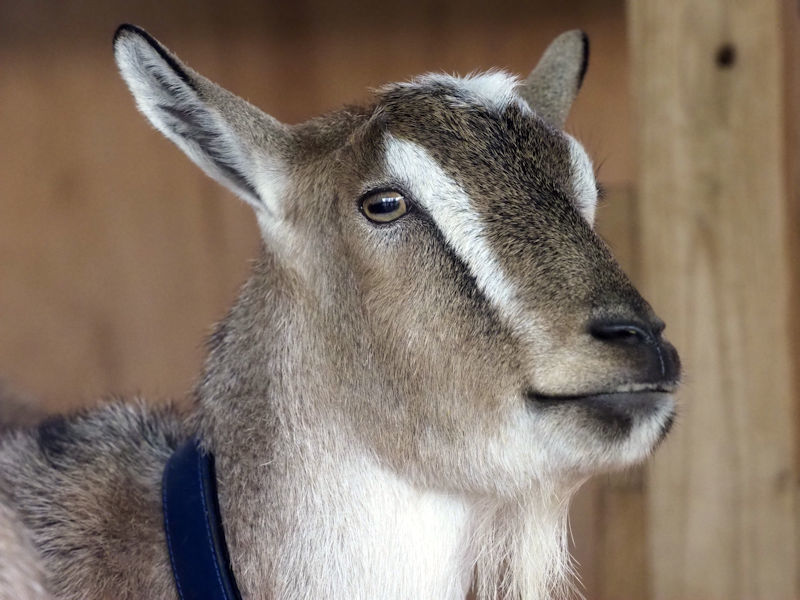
x: 475, y: 331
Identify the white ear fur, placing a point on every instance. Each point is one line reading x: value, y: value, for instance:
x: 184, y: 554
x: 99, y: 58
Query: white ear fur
x: 583, y: 181
x: 221, y: 133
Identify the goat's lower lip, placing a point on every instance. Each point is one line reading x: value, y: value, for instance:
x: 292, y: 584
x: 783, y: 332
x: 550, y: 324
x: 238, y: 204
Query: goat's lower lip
x: 613, y: 413
x: 636, y: 396
x: 618, y: 412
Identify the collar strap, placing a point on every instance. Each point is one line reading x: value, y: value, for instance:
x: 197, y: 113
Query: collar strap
x: 193, y: 526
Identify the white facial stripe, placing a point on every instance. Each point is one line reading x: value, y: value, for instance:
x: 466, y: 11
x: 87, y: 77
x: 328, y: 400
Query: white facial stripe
x: 583, y: 181
x: 496, y: 89
x: 450, y: 207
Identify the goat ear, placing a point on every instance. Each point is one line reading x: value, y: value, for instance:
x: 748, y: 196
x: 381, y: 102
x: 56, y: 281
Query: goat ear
x: 552, y: 86
x: 231, y: 140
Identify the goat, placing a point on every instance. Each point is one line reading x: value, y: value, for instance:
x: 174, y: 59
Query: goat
x: 433, y: 352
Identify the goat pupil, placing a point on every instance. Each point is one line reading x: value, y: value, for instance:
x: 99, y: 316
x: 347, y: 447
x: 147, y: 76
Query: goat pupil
x: 385, y: 205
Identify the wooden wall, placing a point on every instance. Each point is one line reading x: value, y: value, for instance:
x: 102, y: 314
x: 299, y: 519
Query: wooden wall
x: 117, y: 254
x: 718, y: 205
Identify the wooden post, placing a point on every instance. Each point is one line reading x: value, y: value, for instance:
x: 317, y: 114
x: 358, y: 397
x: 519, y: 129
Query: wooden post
x: 710, y: 91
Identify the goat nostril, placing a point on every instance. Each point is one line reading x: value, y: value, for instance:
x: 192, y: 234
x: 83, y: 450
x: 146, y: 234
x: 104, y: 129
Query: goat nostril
x: 625, y: 333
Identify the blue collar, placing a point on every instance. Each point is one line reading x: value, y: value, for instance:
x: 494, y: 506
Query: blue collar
x: 195, y: 539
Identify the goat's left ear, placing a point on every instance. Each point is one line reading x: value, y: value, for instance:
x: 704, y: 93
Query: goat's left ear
x: 230, y: 139
x: 552, y: 86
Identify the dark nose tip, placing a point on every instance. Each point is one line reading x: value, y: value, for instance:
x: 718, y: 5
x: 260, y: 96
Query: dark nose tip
x: 658, y: 358
x: 621, y: 332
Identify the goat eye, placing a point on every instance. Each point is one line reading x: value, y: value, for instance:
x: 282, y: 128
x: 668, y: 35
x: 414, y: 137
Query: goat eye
x: 384, y: 207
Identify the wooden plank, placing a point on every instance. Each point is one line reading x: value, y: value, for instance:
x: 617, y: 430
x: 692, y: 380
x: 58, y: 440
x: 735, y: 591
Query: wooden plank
x: 791, y: 72
x: 709, y: 84
x: 622, y: 557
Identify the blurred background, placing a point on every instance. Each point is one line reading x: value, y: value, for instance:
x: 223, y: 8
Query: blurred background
x: 117, y: 254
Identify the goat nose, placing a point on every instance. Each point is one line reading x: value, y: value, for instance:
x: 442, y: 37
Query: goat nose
x: 622, y: 332
x: 657, y: 358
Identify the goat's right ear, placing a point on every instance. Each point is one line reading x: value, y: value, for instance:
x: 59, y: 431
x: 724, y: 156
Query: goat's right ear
x: 552, y: 86
x: 230, y: 139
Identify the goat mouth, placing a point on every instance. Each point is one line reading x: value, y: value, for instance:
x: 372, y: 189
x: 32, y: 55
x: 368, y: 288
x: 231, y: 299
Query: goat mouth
x: 623, y: 393
x: 618, y: 411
